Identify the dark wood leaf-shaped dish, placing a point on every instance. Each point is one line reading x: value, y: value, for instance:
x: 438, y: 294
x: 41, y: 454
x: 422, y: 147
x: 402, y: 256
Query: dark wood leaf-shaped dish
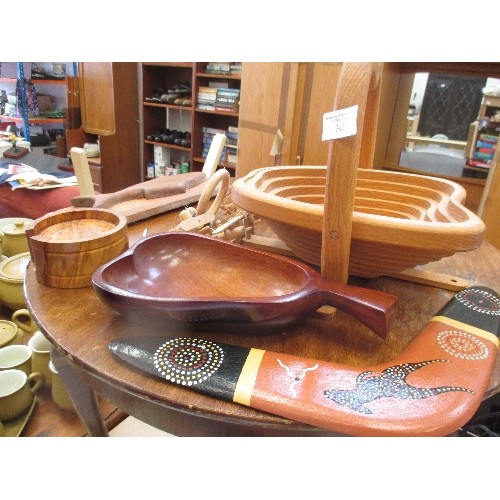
x: 188, y: 277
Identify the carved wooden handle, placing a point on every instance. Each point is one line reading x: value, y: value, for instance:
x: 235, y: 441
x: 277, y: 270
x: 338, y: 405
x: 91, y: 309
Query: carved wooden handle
x: 373, y: 308
x: 434, y: 387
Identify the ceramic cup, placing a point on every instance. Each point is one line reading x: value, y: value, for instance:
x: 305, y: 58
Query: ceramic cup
x: 40, y: 356
x: 16, y: 357
x: 9, y: 333
x: 17, y: 391
x: 59, y: 394
x: 23, y: 320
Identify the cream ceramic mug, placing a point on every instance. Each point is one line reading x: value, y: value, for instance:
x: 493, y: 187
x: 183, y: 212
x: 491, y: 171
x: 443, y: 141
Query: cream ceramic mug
x: 9, y: 333
x: 40, y: 356
x: 17, y: 392
x: 16, y: 357
x: 59, y: 394
x: 23, y: 320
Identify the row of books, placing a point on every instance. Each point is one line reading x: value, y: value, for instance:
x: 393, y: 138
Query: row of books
x: 484, y: 151
x: 227, y: 99
x: 224, y: 68
x: 230, y: 150
x: 218, y: 98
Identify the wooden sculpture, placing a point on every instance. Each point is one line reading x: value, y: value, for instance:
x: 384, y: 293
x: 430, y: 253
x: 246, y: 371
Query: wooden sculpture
x: 150, y: 197
x: 434, y: 387
x: 399, y: 220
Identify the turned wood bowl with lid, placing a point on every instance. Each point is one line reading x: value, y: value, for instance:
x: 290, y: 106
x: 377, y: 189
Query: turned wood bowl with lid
x: 68, y: 245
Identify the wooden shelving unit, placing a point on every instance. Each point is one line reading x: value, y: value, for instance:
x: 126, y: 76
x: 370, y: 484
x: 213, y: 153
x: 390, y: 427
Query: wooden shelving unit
x: 212, y: 119
x: 157, y: 116
x: 158, y: 78
x: 482, y: 148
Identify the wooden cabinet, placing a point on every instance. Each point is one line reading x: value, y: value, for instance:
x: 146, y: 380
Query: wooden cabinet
x: 285, y: 100
x: 160, y: 118
x: 98, y: 90
x: 108, y: 100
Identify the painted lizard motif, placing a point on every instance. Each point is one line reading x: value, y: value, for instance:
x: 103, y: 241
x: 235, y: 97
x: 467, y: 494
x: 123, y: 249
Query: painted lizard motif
x: 391, y: 383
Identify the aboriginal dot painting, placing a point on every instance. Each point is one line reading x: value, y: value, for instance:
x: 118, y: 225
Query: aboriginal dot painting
x: 479, y: 300
x: 462, y: 345
x: 187, y: 361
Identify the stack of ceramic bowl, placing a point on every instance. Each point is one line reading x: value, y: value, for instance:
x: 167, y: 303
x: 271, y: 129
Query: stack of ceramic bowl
x: 14, y: 260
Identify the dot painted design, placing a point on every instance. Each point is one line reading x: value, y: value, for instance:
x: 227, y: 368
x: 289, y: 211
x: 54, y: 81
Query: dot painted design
x: 479, y: 300
x: 187, y: 361
x: 462, y: 345
x: 391, y: 383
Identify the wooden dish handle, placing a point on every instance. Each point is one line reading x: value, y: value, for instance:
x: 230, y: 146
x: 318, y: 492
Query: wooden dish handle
x: 373, y: 308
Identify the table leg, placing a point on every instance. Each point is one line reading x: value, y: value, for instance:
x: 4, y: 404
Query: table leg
x: 82, y: 395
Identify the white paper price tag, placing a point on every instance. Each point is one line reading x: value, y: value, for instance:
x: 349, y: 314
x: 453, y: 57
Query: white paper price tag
x: 340, y: 123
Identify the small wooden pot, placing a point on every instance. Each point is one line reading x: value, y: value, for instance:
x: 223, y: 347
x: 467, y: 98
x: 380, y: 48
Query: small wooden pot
x: 68, y: 245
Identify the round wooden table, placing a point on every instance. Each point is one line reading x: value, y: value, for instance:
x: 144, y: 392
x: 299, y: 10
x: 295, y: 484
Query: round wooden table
x: 80, y: 327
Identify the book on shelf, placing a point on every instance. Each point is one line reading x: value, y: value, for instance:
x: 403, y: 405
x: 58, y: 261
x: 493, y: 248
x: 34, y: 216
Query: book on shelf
x: 486, y: 150
x: 206, y: 107
x: 230, y: 150
x: 230, y: 91
x: 488, y: 138
x: 213, y: 131
x: 230, y: 108
x: 478, y: 163
x: 227, y: 99
x: 231, y: 157
x: 219, y: 68
x: 207, y: 93
x: 218, y: 84
x: 235, y: 68
x: 482, y: 156
x: 483, y: 144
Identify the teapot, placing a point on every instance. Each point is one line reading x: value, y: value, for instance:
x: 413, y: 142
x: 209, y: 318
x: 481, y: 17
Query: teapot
x: 13, y: 238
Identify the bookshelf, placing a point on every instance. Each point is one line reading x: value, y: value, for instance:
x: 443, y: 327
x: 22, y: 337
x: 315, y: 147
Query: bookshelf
x: 160, y: 117
x: 177, y: 132
x: 483, y: 141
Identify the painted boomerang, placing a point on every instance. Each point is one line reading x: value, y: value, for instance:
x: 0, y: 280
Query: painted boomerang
x: 434, y: 387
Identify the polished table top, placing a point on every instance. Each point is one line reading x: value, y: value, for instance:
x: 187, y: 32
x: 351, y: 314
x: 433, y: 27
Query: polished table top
x: 81, y: 326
